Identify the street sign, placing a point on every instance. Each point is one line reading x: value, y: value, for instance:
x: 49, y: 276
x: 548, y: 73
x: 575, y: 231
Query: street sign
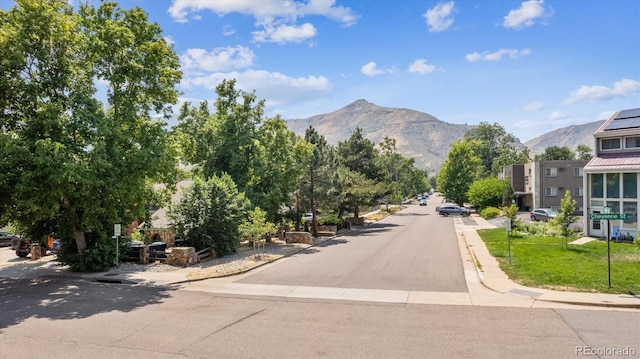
x: 117, y: 230
x: 607, y: 216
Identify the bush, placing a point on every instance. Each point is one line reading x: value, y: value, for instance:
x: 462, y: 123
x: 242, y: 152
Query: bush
x: 210, y: 213
x: 99, y: 256
x: 330, y: 221
x: 490, y: 212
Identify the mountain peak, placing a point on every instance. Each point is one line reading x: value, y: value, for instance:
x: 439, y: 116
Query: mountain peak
x: 359, y: 105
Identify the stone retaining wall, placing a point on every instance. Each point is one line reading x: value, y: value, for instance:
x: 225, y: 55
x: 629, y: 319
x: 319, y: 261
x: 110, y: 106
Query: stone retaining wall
x: 298, y: 237
x: 182, y: 256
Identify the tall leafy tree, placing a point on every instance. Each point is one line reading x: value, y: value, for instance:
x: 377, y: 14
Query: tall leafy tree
x: 278, y: 166
x: 461, y: 168
x: 493, y: 142
x: 319, y: 186
x: 358, y: 154
x: 357, y: 191
x: 399, y: 173
x: 556, y: 153
x: 235, y: 125
x: 75, y: 162
x: 487, y: 192
x: 584, y: 153
x: 194, y: 134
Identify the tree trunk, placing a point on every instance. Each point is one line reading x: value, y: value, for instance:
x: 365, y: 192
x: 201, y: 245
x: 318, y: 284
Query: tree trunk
x: 356, y: 212
x: 81, y: 241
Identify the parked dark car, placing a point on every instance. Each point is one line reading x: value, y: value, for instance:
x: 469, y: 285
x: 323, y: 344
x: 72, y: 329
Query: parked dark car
x: 9, y: 239
x: 451, y: 210
x: 543, y: 214
x: 24, y: 249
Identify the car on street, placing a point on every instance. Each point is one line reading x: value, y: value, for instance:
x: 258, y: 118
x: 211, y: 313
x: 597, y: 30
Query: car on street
x: 423, y: 202
x: 543, y: 214
x: 308, y: 217
x: 454, y: 209
x: 8, y: 239
x: 444, y: 204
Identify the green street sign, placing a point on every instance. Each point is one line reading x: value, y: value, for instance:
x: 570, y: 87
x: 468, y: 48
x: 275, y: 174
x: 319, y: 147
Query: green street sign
x: 607, y: 216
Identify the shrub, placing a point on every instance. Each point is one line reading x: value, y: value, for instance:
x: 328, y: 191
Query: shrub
x: 330, y: 221
x: 210, y: 213
x: 490, y: 212
x: 99, y: 256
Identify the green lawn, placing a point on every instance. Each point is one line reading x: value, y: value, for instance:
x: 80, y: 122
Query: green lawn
x: 543, y: 262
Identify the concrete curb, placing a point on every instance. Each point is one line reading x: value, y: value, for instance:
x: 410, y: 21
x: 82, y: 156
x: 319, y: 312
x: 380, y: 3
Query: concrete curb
x: 486, y: 282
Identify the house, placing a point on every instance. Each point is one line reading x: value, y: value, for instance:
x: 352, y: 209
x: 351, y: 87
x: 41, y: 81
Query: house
x: 160, y: 227
x: 543, y: 184
x: 611, y: 177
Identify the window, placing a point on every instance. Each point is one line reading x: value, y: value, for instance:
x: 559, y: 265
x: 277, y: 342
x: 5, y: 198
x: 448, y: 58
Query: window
x: 597, y: 188
x: 526, y: 180
x: 577, y: 191
x: 629, y: 185
x: 613, y: 185
x: 632, y: 142
x: 551, y: 172
x: 631, y: 210
x: 577, y: 172
x: 610, y: 143
x: 552, y: 191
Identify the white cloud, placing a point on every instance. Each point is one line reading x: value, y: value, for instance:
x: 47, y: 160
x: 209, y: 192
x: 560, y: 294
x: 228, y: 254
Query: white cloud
x: 276, y: 18
x: 372, y: 70
x: 420, y: 66
x: 534, y: 106
x: 169, y: 40
x: 276, y: 88
x: 497, y: 56
x: 526, y: 15
x: 622, y: 88
x: 228, y: 30
x: 219, y: 59
x: 285, y: 33
x: 440, y: 18
x: 557, y: 116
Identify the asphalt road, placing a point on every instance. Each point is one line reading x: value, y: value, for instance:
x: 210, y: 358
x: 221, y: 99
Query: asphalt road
x: 415, y: 249
x: 63, y: 318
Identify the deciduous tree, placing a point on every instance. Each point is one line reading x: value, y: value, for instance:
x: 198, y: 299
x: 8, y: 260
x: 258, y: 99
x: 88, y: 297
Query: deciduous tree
x: 74, y: 160
x: 459, y: 170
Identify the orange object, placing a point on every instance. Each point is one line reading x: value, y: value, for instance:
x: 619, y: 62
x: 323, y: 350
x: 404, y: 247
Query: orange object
x: 50, y: 242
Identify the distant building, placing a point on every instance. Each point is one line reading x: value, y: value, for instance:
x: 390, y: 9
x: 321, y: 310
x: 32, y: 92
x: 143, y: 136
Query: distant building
x: 611, y: 177
x: 543, y: 184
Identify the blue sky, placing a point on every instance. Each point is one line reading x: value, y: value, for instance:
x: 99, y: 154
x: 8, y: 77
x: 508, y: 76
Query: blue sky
x: 532, y: 66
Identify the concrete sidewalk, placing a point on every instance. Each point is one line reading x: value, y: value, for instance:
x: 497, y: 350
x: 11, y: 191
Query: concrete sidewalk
x: 493, y: 278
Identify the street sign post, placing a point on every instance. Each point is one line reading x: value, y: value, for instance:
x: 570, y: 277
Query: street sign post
x: 607, y: 216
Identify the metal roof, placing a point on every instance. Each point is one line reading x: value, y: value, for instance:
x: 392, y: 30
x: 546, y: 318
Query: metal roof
x: 614, y: 161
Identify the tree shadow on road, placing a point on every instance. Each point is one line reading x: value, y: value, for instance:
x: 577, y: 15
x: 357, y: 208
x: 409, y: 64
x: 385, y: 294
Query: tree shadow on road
x: 63, y: 298
x: 368, y: 230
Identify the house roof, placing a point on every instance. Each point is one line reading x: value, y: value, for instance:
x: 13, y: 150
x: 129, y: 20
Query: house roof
x: 614, y: 161
x: 625, y: 121
x: 159, y: 218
